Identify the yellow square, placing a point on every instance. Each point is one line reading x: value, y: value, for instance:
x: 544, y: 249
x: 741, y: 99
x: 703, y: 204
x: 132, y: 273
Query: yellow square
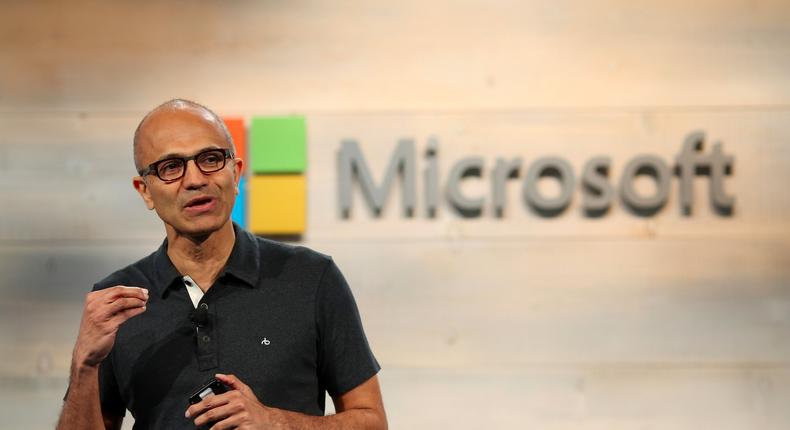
x: 277, y: 204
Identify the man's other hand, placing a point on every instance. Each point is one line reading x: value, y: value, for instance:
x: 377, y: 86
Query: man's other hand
x: 105, y: 311
x: 235, y: 409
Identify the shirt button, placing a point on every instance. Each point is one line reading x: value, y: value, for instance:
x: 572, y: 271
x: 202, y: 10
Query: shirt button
x: 204, y: 306
x: 206, y: 339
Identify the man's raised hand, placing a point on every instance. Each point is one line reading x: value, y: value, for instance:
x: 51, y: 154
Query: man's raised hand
x: 105, y: 310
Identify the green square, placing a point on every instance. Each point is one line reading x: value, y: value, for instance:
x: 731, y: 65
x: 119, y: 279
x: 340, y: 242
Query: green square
x: 277, y: 145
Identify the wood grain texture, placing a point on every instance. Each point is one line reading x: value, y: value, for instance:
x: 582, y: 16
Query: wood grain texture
x: 122, y: 56
x: 80, y: 166
x: 621, y: 322
x: 671, y: 302
x: 755, y: 139
x: 551, y: 398
x: 590, y: 398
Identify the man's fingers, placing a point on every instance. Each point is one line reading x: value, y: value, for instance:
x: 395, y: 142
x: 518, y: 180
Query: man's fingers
x: 233, y: 382
x: 118, y: 291
x: 206, y: 404
x: 123, y: 304
x: 217, y: 413
x: 108, y: 311
x: 121, y: 317
x: 232, y: 422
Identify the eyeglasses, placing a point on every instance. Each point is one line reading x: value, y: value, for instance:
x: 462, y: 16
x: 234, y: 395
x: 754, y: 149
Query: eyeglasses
x: 171, y: 169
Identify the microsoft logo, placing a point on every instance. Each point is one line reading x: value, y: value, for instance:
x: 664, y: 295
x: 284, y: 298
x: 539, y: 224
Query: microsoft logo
x: 272, y: 191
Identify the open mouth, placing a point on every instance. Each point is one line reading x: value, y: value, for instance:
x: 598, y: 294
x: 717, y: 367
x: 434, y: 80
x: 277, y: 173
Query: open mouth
x: 199, y: 203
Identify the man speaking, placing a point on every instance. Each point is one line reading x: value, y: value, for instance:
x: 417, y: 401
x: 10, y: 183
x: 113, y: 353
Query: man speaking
x: 275, y: 325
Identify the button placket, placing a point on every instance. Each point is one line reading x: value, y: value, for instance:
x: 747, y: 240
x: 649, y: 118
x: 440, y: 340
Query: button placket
x: 206, y: 350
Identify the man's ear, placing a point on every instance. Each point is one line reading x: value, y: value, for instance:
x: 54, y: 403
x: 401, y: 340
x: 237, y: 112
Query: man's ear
x: 142, y: 189
x: 238, y: 169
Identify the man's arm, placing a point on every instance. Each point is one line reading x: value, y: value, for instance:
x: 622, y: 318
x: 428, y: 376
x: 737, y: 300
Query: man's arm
x: 360, y: 408
x: 105, y: 310
x: 81, y: 409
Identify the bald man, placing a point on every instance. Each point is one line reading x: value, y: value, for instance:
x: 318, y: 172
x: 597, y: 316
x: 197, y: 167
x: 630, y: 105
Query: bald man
x: 275, y: 324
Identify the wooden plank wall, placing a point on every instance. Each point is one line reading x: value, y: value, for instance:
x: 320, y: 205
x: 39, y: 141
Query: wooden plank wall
x: 618, y: 322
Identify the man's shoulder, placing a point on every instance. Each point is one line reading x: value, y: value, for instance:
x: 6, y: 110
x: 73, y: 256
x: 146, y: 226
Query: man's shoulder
x: 275, y: 254
x: 135, y: 274
x: 272, y: 247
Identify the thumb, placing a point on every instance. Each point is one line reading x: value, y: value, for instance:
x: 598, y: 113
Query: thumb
x: 233, y: 382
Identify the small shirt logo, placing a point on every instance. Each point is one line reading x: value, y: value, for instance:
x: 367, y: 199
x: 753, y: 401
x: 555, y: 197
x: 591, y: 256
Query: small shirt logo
x: 266, y: 342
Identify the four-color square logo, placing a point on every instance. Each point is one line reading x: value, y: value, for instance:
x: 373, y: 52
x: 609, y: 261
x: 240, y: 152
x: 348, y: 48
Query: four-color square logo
x: 272, y: 191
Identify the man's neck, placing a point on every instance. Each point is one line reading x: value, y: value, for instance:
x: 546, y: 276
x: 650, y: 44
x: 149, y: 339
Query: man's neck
x: 202, y: 258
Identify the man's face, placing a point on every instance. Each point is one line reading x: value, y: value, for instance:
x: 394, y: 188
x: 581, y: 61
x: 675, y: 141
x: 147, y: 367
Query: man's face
x: 197, y: 203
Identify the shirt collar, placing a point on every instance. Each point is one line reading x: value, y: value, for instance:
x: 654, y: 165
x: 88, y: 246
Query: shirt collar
x: 165, y: 273
x: 243, y: 263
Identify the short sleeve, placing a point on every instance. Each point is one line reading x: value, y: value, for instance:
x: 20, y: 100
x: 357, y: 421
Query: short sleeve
x: 345, y: 359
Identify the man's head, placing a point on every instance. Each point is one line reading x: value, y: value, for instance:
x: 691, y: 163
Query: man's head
x: 197, y: 203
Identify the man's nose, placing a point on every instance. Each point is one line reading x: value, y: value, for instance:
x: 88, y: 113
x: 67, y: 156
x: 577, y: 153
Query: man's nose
x: 193, y: 177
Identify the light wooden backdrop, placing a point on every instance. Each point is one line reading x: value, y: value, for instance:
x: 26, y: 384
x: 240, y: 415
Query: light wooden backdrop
x: 621, y: 322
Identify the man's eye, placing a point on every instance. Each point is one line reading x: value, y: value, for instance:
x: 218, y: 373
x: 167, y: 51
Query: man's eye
x: 170, y: 166
x: 211, y: 158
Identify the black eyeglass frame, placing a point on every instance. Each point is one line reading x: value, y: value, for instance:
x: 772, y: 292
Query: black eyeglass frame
x: 152, y: 168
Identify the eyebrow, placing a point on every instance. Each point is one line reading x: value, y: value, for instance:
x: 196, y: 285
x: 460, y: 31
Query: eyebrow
x: 181, y: 155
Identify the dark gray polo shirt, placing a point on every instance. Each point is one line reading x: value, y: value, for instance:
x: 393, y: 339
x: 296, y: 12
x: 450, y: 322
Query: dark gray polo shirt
x: 281, y: 318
